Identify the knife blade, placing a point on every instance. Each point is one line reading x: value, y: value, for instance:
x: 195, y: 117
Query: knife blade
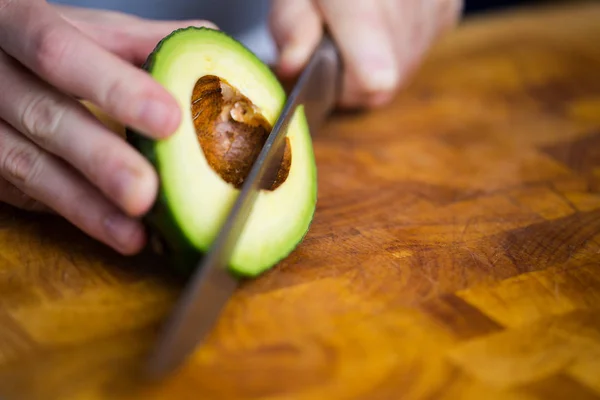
x: 211, y: 286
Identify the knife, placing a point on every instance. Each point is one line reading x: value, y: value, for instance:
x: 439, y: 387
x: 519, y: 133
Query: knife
x: 211, y: 285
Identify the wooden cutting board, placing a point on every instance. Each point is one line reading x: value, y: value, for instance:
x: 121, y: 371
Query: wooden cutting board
x: 455, y: 251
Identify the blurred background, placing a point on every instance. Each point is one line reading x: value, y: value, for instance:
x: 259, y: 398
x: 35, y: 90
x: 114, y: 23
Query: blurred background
x: 474, y: 6
x: 243, y: 19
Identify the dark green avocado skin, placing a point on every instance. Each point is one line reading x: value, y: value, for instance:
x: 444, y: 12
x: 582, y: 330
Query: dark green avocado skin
x: 159, y: 220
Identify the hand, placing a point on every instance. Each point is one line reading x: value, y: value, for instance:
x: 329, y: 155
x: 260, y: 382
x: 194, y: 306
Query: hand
x: 381, y: 41
x: 54, y: 154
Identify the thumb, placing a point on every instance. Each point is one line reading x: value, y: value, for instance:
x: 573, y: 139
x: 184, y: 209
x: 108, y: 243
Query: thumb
x: 129, y: 37
x: 296, y: 27
x: 142, y: 36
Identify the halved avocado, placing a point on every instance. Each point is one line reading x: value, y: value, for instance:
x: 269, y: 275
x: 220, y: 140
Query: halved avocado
x: 230, y: 100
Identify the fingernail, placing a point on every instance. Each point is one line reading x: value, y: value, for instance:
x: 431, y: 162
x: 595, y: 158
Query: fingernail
x: 292, y: 57
x: 125, y: 233
x: 135, y: 190
x: 383, y: 79
x: 158, y: 117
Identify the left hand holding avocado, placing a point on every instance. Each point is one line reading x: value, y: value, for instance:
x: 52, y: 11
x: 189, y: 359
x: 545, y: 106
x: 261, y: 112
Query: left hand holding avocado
x: 53, y: 153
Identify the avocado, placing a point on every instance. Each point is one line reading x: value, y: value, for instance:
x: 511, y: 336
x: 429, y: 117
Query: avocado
x: 229, y: 101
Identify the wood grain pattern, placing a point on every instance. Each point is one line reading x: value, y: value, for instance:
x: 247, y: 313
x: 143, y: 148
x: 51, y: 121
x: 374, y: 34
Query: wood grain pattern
x: 455, y: 252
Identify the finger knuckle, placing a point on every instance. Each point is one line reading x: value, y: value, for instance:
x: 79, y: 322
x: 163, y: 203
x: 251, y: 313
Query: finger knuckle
x: 51, y: 47
x: 6, y: 4
x: 22, y: 165
x: 41, y: 119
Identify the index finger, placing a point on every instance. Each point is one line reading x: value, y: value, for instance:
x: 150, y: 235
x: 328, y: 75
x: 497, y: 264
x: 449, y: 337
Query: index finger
x: 37, y: 36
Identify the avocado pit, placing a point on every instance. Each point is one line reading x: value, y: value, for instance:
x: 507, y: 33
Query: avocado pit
x: 232, y: 131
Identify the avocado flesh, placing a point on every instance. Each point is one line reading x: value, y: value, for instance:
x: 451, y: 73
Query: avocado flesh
x: 194, y: 199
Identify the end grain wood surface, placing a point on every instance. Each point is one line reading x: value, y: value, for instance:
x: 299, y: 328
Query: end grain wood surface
x: 455, y: 251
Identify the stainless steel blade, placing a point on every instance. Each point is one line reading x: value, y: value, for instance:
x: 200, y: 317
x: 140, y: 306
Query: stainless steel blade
x: 212, y: 284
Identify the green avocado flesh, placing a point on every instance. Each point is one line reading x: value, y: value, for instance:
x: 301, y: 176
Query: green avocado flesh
x: 194, y: 199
